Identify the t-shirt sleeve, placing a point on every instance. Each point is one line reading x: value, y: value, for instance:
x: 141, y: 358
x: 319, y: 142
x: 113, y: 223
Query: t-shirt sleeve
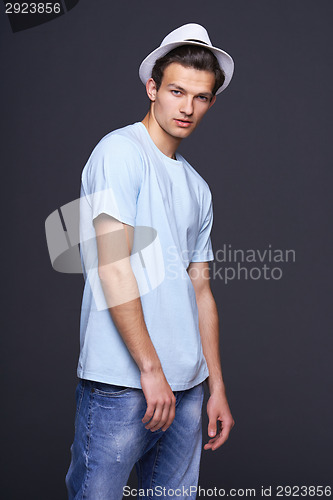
x: 203, y: 249
x: 112, y: 178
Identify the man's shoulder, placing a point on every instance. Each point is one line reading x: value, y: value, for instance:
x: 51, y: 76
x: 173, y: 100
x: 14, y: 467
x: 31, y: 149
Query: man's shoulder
x: 124, y: 140
x: 119, y: 149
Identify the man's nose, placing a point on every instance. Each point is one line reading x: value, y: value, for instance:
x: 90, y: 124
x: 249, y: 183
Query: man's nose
x: 187, y: 106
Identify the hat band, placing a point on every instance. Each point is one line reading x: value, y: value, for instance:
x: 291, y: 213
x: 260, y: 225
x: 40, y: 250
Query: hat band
x: 194, y: 40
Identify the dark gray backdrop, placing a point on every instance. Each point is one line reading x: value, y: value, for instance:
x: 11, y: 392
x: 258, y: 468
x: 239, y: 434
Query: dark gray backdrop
x: 265, y: 150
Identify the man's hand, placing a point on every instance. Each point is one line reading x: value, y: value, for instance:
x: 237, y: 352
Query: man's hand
x: 218, y: 411
x: 161, y: 402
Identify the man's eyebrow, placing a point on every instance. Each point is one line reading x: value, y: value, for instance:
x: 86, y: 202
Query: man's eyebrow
x: 175, y: 86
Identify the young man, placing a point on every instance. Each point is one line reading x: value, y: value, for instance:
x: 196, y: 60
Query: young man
x: 149, y: 323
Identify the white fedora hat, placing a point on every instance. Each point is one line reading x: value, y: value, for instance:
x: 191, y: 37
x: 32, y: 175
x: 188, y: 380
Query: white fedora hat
x: 189, y: 34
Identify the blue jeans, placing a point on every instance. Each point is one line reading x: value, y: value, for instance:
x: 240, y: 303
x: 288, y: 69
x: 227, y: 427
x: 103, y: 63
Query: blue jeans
x: 110, y: 439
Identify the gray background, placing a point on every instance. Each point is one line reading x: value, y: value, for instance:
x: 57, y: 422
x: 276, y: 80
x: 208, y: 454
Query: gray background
x: 265, y: 150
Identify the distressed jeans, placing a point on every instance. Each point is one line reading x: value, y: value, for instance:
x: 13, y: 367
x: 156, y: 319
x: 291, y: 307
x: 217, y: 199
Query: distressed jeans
x: 110, y: 439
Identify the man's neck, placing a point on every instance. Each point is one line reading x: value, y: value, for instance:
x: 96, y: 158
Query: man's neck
x: 165, y: 143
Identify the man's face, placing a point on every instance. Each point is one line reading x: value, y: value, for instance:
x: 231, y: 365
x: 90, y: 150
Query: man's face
x: 185, y: 95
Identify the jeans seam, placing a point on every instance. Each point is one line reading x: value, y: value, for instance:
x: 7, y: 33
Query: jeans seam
x: 139, y: 473
x: 80, y: 400
x: 155, y: 466
x: 88, y: 445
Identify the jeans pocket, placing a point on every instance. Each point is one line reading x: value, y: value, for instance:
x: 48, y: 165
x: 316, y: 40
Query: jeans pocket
x: 109, y: 390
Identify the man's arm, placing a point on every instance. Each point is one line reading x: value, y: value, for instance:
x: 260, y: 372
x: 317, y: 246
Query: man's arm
x: 114, y: 244
x: 217, y: 406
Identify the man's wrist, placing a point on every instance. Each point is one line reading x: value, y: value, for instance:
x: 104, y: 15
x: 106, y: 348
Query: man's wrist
x: 216, y: 386
x: 150, y: 366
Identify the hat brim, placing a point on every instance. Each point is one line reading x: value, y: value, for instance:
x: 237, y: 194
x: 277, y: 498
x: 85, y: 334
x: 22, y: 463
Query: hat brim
x: 225, y: 61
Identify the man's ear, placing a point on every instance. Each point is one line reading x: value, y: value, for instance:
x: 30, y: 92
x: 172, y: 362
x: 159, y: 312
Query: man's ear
x: 151, y: 89
x: 212, y: 101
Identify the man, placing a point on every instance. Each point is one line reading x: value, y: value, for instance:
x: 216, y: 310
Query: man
x: 149, y: 323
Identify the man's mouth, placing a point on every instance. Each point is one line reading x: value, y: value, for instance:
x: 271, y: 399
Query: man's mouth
x: 183, y: 123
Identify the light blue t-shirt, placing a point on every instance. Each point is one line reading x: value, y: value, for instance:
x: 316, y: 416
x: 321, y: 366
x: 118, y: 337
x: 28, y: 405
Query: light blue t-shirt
x: 170, y: 206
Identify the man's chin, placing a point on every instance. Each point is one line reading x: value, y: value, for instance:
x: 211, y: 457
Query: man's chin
x: 181, y: 133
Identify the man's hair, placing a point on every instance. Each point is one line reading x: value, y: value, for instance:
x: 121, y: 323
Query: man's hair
x: 189, y: 56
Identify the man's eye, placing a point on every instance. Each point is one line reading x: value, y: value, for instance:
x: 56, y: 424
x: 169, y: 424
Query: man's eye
x: 203, y: 98
x: 176, y: 92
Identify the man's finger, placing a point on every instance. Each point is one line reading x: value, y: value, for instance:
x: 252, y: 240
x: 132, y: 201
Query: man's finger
x: 156, y: 417
x: 215, y: 443
x: 172, y: 413
x: 221, y: 438
x: 163, y: 419
x: 212, y: 428
x: 149, y: 413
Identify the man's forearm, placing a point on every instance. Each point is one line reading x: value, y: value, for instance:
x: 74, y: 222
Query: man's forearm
x: 209, y: 332
x: 220, y: 420
x: 123, y: 299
